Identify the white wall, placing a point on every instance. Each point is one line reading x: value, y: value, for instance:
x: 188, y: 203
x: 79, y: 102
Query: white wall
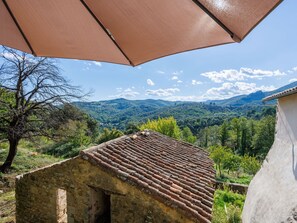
x: 272, y: 194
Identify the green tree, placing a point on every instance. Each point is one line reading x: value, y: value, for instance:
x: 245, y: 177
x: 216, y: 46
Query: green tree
x: 250, y: 165
x: 67, y: 120
x: 264, y: 137
x: 235, y: 124
x: 167, y: 126
x: 188, y: 136
x: 131, y: 128
x: 109, y: 135
x: 219, y: 155
x: 246, y: 138
x: 231, y: 162
x: 37, y: 86
x: 224, y: 134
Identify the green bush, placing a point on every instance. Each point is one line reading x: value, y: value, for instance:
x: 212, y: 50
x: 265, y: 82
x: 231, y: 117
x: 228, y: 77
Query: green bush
x: 63, y: 149
x: 250, y: 165
x: 167, y: 126
x: 227, y: 206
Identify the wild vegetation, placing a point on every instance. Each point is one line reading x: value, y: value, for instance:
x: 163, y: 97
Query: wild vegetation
x: 121, y: 113
x: 30, y: 90
x: 243, y: 136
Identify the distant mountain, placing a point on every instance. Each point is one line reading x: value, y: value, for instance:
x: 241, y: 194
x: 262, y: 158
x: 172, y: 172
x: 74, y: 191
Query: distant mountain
x: 119, y: 113
x: 251, y: 99
x: 113, y: 113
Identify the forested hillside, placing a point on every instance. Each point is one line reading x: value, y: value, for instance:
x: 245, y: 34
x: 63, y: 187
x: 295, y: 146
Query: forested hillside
x: 119, y: 113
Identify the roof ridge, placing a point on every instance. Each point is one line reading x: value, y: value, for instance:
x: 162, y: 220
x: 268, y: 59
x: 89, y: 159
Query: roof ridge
x: 281, y: 94
x: 103, y: 144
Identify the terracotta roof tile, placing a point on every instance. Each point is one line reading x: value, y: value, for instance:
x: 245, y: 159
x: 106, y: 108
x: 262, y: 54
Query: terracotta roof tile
x: 173, y: 172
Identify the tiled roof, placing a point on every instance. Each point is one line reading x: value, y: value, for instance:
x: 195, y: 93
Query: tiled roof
x: 281, y: 94
x: 173, y: 172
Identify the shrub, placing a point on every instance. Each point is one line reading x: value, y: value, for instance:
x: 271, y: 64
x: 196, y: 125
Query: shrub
x: 227, y: 206
x: 250, y: 165
x: 167, y: 126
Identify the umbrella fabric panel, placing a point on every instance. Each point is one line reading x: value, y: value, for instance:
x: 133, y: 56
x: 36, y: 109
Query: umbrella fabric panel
x: 9, y: 33
x: 240, y: 16
x: 127, y: 31
x: 146, y: 30
x: 64, y: 29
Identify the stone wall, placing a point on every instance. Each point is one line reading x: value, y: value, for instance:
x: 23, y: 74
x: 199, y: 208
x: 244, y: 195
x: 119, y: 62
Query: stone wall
x: 36, y: 195
x: 272, y: 194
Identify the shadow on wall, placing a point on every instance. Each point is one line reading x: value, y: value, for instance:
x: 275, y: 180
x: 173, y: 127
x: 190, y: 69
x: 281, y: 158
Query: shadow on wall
x: 289, y: 121
x: 294, y: 165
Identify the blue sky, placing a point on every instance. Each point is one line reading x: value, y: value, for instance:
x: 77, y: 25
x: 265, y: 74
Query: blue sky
x: 266, y: 59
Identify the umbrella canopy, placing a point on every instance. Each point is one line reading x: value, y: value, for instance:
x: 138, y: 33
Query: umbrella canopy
x: 127, y: 31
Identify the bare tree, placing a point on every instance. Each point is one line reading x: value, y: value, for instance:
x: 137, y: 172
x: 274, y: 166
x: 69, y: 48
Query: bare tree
x: 30, y: 88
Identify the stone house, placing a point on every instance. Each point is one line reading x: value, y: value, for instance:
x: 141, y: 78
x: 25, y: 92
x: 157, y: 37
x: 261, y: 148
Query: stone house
x: 272, y: 194
x: 146, y: 177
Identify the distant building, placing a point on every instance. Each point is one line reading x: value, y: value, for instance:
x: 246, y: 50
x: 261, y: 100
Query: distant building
x: 146, y: 177
x: 272, y: 194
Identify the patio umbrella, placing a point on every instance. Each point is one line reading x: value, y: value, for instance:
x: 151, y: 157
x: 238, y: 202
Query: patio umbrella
x: 126, y: 31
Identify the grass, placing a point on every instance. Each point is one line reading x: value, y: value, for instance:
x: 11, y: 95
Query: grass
x: 7, y: 207
x: 27, y: 159
x: 241, y: 178
x: 227, y: 206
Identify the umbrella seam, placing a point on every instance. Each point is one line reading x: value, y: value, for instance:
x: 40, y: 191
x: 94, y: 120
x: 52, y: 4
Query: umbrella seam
x: 19, y: 27
x: 219, y: 22
x: 107, y: 32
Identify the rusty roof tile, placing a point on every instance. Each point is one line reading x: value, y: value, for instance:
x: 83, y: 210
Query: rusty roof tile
x: 176, y: 173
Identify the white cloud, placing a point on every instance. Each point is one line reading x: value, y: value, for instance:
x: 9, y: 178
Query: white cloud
x: 290, y: 71
x: 195, y: 82
x: 162, y: 92
x: 139, y: 67
x: 127, y: 93
x: 97, y: 63
x: 294, y: 68
x: 160, y: 72
x: 292, y: 80
x: 184, y: 98
x: 176, y: 73
x: 8, y: 55
x: 241, y: 74
x: 150, y: 82
x: 179, y: 81
x: 228, y: 90
x: 12, y: 56
x: 174, y: 78
x: 119, y: 89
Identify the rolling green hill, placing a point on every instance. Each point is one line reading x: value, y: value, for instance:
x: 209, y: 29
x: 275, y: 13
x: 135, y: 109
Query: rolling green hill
x: 119, y: 113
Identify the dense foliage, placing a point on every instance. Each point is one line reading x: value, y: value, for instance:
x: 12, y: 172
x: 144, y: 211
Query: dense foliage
x: 227, y: 207
x: 166, y: 126
x: 225, y: 159
x: 244, y: 136
x: 120, y: 113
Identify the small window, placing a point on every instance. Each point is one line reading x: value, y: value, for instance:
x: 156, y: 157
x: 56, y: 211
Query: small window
x: 61, y: 206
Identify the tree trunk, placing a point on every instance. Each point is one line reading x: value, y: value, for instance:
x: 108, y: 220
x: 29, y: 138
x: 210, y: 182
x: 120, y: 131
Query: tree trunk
x: 13, y: 144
